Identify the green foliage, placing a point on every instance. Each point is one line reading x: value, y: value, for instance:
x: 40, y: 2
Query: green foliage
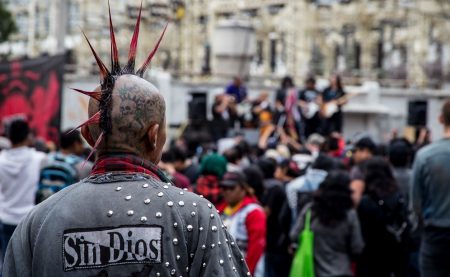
x: 7, y: 23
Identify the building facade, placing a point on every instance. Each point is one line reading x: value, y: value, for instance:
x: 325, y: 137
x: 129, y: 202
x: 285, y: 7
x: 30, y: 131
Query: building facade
x: 401, y: 43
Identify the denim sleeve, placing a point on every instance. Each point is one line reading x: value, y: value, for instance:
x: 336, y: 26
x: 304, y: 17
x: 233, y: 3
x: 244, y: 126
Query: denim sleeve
x: 18, y: 259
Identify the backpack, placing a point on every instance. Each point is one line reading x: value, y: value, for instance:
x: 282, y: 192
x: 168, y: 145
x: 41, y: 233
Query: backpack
x: 58, y: 173
x: 395, y: 213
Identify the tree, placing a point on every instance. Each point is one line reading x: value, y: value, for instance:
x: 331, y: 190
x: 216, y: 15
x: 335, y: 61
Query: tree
x: 7, y: 23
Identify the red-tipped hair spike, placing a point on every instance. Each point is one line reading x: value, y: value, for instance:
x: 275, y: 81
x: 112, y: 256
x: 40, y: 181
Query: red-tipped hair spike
x: 94, y: 94
x: 95, y: 119
x: 114, y: 52
x: 144, y: 67
x: 134, y: 41
x: 97, y: 143
x: 103, y: 70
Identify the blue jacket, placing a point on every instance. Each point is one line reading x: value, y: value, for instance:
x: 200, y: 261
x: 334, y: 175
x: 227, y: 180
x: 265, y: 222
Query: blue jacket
x: 430, y: 186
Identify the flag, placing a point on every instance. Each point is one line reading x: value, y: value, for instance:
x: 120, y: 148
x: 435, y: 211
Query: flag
x: 33, y: 87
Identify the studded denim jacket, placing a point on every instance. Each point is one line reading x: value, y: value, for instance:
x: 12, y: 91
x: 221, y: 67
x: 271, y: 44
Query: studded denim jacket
x: 122, y: 224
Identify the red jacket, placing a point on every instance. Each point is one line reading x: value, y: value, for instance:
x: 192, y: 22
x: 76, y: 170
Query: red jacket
x: 248, y: 226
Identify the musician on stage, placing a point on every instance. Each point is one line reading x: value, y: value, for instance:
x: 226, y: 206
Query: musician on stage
x: 309, y: 102
x: 333, y: 98
x: 237, y: 89
x: 224, y: 115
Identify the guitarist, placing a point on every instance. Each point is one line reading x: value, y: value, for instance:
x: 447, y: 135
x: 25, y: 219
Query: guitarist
x: 309, y: 101
x: 333, y: 95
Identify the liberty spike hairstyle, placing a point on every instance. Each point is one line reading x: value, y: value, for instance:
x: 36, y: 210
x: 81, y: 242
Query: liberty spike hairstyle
x: 108, y: 78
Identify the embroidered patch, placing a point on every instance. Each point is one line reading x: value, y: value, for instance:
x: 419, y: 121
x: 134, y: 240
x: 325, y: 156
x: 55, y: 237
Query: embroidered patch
x: 101, y: 247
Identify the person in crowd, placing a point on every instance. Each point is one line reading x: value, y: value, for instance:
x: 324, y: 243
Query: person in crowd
x: 292, y: 115
x: 309, y: 102
x: 72, y: 147
x: 299, y: 191
x: 315, y: 144
x: 178, y: 179
x: 400, y: 157
x: 383, y: 214
x: 423, y: 138
x: 430, y: 197
x: 223, y: 116
x: 364, y: 149
x: 255, y: 181
x: 126, y: 218
x: 279, y: 133
x: 286, y: 171
x: 184, y: 165
x: 64, y: 167
x: 212, y: 169
x: 333, y: 98
x: 245, y: 219
x: 334, y: 222
x: 261, y: 110
x: 277, y: 261
x: 234, y: 157
x: 335, y: 145
x: 237, y: 90
x: 19, y: 175
x: 246, y: 151
x: 280, y: 98
x: 304, y: 159
x: 40, y: 145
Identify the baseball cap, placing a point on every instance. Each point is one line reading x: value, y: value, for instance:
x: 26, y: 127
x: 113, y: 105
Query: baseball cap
x: 231, y: 179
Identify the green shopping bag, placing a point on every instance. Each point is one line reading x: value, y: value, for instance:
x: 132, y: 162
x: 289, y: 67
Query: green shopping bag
x: 303, y: 263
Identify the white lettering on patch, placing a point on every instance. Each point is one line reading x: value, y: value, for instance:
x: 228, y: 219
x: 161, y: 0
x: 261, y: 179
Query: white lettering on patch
x: 101, y: 247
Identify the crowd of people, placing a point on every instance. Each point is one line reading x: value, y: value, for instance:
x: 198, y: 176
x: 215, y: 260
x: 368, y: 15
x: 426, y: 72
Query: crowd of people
x: 295, y: 115
x: 377, y: 209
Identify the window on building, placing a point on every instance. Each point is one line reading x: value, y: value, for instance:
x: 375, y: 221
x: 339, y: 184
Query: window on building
x: 74, y: 16
x: 273, y: 54
x: 259, y: 52
x: 22, y: 23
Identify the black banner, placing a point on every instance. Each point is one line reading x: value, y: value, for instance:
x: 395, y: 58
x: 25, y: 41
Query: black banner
x: 33, y: 88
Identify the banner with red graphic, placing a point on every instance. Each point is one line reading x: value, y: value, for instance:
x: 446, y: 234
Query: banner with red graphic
x: 33, y: 88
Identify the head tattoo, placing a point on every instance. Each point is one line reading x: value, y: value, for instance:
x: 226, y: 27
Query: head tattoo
x: 108, y: 78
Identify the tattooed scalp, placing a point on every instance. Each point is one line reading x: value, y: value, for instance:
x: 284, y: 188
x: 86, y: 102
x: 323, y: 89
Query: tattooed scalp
x: 136, y: 105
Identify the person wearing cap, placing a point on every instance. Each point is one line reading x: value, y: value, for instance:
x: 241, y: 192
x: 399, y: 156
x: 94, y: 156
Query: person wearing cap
x: 245, y: 219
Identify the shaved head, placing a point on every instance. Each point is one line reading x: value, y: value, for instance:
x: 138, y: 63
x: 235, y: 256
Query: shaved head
x: 137, y: 119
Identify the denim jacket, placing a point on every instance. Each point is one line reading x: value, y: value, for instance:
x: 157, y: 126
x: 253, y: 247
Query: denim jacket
x: 430, y: 187
x: 117, y: 224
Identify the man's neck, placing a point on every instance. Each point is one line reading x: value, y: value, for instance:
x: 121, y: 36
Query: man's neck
x: 115, y: 151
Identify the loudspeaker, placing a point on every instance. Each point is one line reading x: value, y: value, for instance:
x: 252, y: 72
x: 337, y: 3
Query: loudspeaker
x: 197, y: 106
x: 417, y: 113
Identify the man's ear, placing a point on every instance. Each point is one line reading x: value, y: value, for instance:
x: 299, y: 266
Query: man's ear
x: 87, y: 135
x: 152, y: 135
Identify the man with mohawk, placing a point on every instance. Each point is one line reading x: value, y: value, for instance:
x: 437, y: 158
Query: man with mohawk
x: 126, y: 218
